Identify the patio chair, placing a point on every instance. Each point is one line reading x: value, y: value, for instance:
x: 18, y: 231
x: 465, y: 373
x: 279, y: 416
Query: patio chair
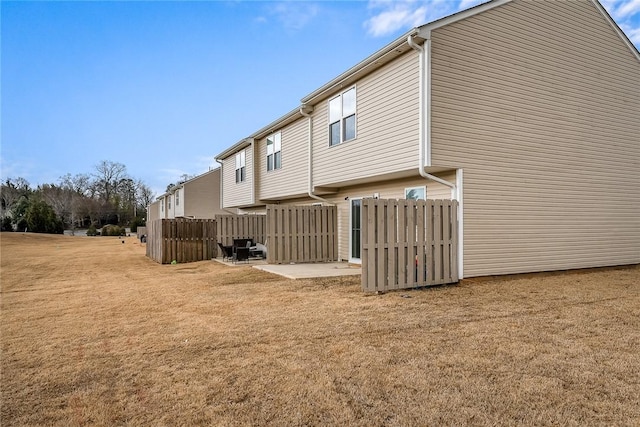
x: 259, y: 250
x: 241, y: 254
x: 227, y: 251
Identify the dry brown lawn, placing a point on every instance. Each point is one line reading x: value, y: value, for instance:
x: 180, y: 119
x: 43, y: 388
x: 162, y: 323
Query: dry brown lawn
x: 94, y: 333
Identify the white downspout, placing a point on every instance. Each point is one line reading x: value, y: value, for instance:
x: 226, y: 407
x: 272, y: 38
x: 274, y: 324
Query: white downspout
x: 425, y: 141
x: 424, y: 113
x: 253, y: 171
x: 310, y: 158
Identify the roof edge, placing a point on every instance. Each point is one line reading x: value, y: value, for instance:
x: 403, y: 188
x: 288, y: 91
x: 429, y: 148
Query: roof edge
x: 182, y: 184
x: 271, y: 127
x: 617, y: 29
x: 362, y: 65
x: 459, y: 16
x: 245, y: 142
x: 278, y: 123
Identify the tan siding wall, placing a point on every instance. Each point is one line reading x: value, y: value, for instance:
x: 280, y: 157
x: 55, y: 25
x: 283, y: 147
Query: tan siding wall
x: 153, y: 211
x: 539, y: 102
x: 386, y: 128
x: 202, y: 196
x: 237, y: 194
x: 292, y: 177
x: 387, y: 190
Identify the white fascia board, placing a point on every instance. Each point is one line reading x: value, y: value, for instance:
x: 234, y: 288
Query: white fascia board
x: 233, y: 149
x: 424, y: 30
x: 290, y: 117
x: 369, y: 64
x: 617, y: 29
x: 198, y: 177
x: 277, y: 124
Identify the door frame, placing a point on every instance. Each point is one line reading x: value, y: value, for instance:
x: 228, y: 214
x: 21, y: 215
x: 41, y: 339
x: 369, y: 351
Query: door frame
x: 351, y: 258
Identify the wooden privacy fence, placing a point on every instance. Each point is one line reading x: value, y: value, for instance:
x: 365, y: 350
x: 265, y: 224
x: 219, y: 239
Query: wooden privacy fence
x: 231, y: 227
x: 301, y: 234
x: 181, y: 239
x: 141, y: 231
x: 408, y: 243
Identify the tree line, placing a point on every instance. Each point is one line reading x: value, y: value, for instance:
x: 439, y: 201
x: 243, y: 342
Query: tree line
x: 108, y: 195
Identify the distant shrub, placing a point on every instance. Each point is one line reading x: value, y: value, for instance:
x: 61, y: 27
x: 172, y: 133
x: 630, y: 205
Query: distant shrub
x: 41, y: 218
x: 91, y: 231
x: 137, y: 222
x: 6, y: 224
x: 113, y: 230
x: 22, y: 224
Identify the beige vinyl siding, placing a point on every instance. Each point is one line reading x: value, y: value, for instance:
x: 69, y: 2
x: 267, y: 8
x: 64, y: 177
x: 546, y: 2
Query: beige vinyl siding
x: 386, y: 127
x: 153, y: 211
x: 202, y: 196
x: 386, y: 190
x: 292, y: 178
x: 237, y: 194
x: 539, y: 103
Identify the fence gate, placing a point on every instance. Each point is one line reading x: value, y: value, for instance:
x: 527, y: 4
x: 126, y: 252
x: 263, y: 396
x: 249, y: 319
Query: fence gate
x: 301, y: 234
x: 408, y: 243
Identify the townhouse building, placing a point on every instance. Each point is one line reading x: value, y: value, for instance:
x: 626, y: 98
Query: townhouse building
x: 198, y: 198
x: 527, y: 113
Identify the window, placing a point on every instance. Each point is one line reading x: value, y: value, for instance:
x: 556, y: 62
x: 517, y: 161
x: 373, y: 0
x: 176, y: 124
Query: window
x: 169, y: 202
x: 415, y: 193
x: 342, y: 117
x: 274, y: 151
x: 162, y: 205
x: 177, y: 197
x: 240, y: 166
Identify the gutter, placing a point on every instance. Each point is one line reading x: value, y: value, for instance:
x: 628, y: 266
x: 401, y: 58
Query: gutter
x: 306, y: 112
x: 425, y: 140
x: 253, y: 171
x: 377, y: 59
x: 424, y: 108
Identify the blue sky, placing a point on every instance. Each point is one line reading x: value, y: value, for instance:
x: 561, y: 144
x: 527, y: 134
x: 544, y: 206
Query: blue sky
x: 164, y: 86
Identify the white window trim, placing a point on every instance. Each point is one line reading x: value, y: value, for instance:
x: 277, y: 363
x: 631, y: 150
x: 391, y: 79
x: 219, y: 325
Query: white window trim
x: 240, y: 163
x: 177, y: 197
x: 354, y: 260
x: 343, y: 117
x: 417, y: 187
x: 273, y: 138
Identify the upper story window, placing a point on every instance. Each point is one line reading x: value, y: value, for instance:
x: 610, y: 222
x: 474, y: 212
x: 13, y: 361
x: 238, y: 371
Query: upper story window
x: 177, y: 197
x: 162, y: 205
x: 169, y: 202
x: 240, y: 166
x: 342, y: 117
x: 274, y: 151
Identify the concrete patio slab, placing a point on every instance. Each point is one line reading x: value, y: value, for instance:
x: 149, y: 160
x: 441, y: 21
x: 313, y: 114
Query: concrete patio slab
x: 299, y: 271
x: 311, y: 271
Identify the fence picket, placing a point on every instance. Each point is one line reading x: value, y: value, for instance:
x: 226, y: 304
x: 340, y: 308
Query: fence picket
x: 407, y: 243
x: 298, y: 234
x: 181, y: 239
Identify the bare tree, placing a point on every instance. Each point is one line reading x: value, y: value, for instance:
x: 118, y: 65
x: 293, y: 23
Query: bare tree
x: 79, y: 183
x: 108, y: 176
x: 145, y: 195
x: 60, y: 199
